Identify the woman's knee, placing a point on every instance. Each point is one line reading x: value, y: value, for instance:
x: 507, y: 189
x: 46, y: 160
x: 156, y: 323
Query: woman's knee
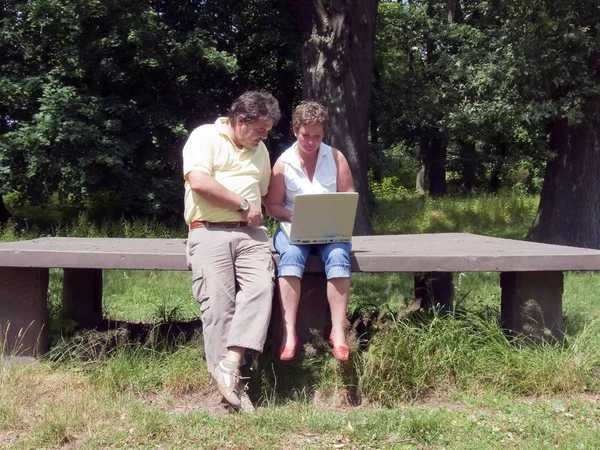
x: 292, y: 255
x: 290, y: 270
x: 292, y: 262
x: 337, y: 263
x: 337, y: 256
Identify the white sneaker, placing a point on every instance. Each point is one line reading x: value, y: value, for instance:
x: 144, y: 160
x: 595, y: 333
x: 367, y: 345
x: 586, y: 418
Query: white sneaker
x: 228, y: 382
x: 246, y: 405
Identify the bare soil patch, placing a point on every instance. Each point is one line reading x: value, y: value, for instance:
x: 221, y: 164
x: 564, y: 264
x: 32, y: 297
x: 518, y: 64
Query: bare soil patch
x: 207, y: 400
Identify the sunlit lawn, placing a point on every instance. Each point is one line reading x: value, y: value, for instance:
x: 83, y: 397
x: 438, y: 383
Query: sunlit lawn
x: 459, y: 383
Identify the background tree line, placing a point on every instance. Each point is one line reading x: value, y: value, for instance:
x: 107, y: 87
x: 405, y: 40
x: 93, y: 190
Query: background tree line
x: 97, y: 96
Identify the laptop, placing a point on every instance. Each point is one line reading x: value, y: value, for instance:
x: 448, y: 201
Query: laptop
x: 322, y: 218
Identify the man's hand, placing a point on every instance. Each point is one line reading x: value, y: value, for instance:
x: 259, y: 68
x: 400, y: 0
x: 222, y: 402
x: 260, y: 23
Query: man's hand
x: 253, y: 216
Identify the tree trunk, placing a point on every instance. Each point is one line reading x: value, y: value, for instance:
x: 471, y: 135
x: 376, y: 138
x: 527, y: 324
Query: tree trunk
x: 468, y: 163
x: 337, y: 64
x: 497, y: 171
x: 569, y: 211
x: 422, y: 174
x: 376, y: 159
x: 455, y: 14
x: 432, y: 156
x: 437, y: 165
x: 376, y: 166
x: 435, y: 171
x: 286, y: 91
x: 420, y: 182
x: 4, y: 212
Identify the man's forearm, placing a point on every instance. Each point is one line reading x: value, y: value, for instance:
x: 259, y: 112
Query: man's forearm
x: 214, y: 192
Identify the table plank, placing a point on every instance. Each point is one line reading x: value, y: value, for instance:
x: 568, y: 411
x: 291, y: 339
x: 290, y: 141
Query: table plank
x: 440, y: 252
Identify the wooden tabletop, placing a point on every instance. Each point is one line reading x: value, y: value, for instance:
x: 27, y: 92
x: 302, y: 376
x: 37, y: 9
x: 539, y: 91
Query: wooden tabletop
x: 441, y: 252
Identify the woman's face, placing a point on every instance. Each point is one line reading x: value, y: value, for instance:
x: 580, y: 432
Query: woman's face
x: 309, y: 137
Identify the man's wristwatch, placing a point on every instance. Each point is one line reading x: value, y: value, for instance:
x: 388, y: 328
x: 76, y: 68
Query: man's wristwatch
x: 244, y: 206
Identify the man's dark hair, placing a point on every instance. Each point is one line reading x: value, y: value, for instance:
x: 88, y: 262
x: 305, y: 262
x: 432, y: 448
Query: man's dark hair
x: 253, y: 106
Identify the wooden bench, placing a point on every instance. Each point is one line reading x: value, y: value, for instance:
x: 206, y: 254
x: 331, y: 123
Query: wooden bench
x: 529, y: 271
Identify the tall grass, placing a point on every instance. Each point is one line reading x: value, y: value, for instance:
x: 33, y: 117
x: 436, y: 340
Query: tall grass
x: 396, y: 211
x: 502, y: 215
x: 404, y: 356
x: 417, y: 357
x: 81, y: 226
x: 118, y: 365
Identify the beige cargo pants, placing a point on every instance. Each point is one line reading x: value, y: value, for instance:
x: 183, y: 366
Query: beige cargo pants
x: 232, y: 280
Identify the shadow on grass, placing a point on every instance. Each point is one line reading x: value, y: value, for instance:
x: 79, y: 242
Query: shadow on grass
x: 314, y: 375
x: 100, y: 341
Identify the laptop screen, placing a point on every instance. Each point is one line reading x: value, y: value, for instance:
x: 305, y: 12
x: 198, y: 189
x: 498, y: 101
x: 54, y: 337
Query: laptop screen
x: 320, y: 218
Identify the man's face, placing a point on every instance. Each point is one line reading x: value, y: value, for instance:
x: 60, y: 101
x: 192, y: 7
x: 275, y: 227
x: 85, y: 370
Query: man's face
x: 251, y: 134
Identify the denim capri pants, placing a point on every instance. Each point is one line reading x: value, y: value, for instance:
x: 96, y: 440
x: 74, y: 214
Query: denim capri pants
x: 292, y: 258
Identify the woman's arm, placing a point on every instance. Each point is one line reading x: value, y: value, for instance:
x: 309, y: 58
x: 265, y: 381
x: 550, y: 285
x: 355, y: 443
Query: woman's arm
x: 276, y: 194
x: 345, y: 183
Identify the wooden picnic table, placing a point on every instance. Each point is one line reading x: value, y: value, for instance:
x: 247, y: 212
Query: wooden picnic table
x: 529, y: 271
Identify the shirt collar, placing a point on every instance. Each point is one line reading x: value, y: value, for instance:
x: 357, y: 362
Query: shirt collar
x: 223, y: 128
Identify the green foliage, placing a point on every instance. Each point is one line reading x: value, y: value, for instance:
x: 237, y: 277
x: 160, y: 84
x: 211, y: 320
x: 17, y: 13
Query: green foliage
x: 265, y: 38
x: 97, y: 97
x: 493, y: 77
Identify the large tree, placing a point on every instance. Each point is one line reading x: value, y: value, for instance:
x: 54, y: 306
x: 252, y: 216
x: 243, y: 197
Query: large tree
x: 337, y: 64
x: 562, y: 47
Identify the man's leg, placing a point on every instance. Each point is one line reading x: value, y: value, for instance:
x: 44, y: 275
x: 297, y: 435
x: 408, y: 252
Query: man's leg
x: 211, y: 259
x: 254, y: 274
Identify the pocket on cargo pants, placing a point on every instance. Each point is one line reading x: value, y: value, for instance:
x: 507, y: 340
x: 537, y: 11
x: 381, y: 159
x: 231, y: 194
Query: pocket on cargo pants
x: 200, y: 293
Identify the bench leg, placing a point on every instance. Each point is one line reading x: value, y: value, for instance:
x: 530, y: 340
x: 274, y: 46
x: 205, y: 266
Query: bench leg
x: 435, y: 288
x: 82, y: 296
x: 532, y: 303
x: 24, y: 310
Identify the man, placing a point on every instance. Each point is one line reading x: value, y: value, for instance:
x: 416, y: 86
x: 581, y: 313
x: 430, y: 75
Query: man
x: 226, y: 170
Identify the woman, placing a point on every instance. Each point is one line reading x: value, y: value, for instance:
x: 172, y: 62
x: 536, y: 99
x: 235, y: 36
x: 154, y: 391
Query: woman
x: 310, y: 166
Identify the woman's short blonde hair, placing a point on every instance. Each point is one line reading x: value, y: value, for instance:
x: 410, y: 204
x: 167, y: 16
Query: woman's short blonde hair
x: 309, y: 113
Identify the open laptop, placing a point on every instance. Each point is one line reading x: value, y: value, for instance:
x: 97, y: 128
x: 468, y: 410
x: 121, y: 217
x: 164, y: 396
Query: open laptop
x: 322, y: 218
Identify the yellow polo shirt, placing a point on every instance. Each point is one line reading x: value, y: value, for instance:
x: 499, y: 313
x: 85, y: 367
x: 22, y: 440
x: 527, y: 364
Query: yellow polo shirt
x: 246, y: 172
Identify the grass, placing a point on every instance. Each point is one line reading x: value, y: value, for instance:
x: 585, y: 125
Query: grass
x: 152, y: 296
x: 505, y: 215
x: 73, y: 412
x: 420, y: 380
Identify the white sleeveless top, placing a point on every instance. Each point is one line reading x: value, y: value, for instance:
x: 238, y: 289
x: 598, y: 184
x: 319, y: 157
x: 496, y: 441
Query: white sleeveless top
x: 296, y: 182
